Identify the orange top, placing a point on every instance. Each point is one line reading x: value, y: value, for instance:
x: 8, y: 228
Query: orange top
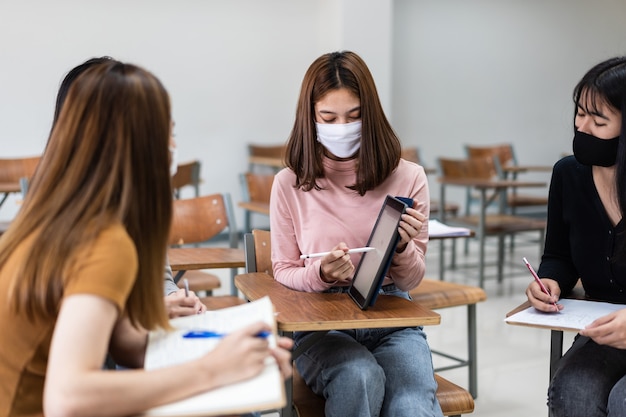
x: 107, y: 269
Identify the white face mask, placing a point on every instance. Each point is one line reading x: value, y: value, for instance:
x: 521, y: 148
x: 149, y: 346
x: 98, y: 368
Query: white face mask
x: 173, y: 161
x: 342, y: 140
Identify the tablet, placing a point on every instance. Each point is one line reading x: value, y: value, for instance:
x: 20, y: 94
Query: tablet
x: 371, y: 271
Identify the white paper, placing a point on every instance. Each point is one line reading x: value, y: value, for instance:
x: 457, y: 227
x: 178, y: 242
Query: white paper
x: 438, y: 229
x: 169, y: 348
x: 576, y: 315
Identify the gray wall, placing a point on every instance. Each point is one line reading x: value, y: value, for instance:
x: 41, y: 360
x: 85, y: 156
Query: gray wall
x: 449, y: 71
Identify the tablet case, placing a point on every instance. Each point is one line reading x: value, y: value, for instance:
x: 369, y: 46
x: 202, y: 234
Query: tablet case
x: 397, y: 207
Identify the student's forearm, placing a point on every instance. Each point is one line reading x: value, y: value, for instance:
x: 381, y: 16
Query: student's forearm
x: 121, y: 393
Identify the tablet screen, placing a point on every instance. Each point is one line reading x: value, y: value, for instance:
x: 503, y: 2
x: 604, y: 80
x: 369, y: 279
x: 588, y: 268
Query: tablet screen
x: 373, y: 266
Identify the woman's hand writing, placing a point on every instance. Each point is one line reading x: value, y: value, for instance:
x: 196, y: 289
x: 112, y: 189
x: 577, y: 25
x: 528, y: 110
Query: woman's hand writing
x: 178, y: 305
x: 542, y: 301
x: 238, y: 356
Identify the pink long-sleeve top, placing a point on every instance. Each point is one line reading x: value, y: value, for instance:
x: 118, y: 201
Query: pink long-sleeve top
x: 317, y: 220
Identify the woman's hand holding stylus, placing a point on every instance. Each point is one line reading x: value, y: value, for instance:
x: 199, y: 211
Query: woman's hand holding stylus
x: 337, y: 265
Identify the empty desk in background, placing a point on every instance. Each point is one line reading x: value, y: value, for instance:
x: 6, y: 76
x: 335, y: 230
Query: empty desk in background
x: 503, y: 224
x: 7, y: 188
x: 442, y: 232
x: 187, y: 259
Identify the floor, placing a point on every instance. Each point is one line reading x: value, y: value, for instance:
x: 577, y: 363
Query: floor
x: 513, y: 361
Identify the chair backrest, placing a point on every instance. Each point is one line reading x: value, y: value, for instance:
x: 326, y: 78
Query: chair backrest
x: 187, y: 174
x: 476, y: 168
x: 503, y: 152
x: 258, y: 252
x: 269, y: 156
x: 199, y: 219
x: 13, y: 169
x: 257, y: 187
x: 411, y: 154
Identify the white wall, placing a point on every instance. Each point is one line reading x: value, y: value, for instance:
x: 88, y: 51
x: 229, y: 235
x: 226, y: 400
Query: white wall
x: 448, y: 72
x: 492, y: 71
x: 488, y: 71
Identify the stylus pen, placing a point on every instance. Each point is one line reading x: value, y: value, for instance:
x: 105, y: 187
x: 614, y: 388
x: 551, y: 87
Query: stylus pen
x: 355, y: 250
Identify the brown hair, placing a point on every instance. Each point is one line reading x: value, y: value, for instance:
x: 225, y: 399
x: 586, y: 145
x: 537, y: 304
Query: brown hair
x: 380, y: 148
x: 106, y: 161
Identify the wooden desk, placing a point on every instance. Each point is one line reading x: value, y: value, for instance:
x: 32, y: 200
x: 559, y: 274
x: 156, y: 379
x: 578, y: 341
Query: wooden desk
x: 269, y: 161
x: 7, y: 188
x: 517, y: 169
x: 556, y: 335
x: 499, y: 188
x: 442, y: 240
x: 331, y: 311
x: 435, y: 294
x: 321, y: 312
x: 186, y: 259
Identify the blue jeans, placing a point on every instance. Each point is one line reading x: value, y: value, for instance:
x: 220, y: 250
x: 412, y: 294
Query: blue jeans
x: 590, y: 382
x: 371, y: 372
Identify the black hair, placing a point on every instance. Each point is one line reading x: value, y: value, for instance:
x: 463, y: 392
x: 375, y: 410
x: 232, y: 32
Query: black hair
x: 605, y: 83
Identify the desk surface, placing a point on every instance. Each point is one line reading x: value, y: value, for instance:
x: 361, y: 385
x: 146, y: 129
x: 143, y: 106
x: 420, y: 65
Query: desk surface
x: 205, y: 258
x: 303, y: 311
x: 10, y: 187
x: 527, y: 168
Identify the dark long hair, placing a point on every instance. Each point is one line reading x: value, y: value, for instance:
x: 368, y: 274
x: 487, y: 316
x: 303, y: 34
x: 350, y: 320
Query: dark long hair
x: 380, y: 148
x: 606, y: 83
x: 106, y: 162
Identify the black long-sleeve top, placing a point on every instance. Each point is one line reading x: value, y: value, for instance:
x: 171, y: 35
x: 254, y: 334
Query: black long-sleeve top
x: 580, y: 239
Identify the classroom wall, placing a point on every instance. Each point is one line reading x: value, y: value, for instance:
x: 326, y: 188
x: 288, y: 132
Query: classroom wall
x: 449, y: 72
x: 493, y: 71
x: 487, y: 71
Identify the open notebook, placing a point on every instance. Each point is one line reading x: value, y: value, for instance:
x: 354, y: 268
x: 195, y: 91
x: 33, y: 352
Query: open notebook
x: 576, y: 315
x: 438, y: 229
x: 263, y: 392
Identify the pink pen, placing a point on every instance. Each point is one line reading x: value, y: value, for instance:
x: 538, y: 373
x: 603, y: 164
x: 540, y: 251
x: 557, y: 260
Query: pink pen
x: 534, y: 274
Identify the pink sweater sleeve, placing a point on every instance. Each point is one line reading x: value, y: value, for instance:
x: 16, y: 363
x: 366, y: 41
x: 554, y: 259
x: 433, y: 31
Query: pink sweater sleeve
x: 288, y: 268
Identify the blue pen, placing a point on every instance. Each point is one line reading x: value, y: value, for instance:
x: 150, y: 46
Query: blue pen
x: 203, y: 334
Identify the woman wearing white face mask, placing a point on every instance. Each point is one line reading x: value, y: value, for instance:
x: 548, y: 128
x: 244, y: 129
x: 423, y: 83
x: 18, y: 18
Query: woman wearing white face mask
x: 342, y: 159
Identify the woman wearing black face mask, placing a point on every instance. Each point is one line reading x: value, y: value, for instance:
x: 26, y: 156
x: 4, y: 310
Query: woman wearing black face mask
x: 586, y: 239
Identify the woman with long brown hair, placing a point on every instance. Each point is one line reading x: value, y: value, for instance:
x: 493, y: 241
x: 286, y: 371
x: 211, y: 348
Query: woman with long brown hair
x: 81, y: 264
x: 343, y: 159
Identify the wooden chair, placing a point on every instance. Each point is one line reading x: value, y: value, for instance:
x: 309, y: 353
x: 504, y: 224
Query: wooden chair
x: 13, y: 173
x: 187, y: 174
x: 556, y: 335
x: 505, y: 158
x: 435, y: 294
x: 268, y: 156
x: 255, y: 190
x: 474, y: 171
x: 197, y: 221
x: 413, y: 154
x: 453, y: 399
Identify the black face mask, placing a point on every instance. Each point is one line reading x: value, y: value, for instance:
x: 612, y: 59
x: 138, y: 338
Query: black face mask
x: 590, y: 150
